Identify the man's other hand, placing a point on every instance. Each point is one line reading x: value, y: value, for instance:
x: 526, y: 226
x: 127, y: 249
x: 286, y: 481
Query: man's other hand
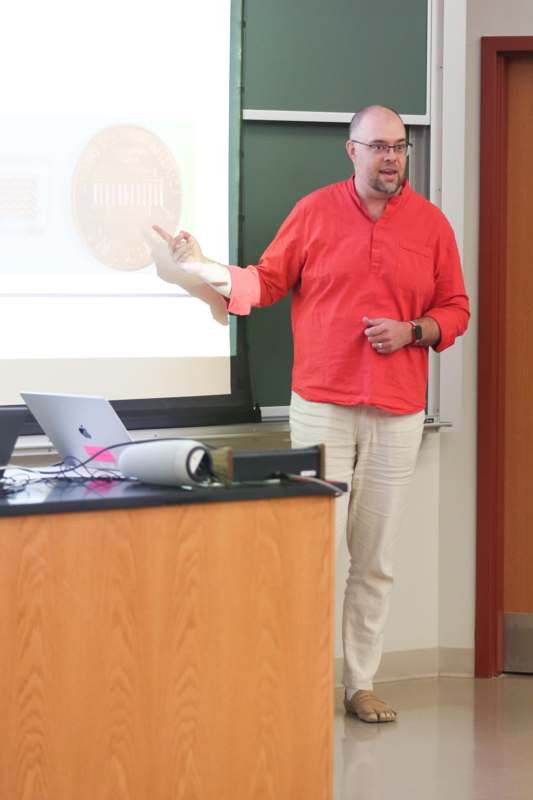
x: 387, y: 335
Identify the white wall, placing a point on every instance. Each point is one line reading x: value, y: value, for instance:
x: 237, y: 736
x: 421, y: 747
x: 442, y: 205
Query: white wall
x: 413, y: 621
x: 414, y: 617
x: 433, y: 599
x: 434, y: 596
x: 457, y: 495
x: 458, y: 449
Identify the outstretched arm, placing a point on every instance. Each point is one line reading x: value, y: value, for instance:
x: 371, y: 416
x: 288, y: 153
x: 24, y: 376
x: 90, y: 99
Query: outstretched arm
x: 187, y: 253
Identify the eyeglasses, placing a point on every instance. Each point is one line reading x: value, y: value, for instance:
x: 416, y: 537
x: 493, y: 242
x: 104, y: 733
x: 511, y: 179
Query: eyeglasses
x: 381, y: 149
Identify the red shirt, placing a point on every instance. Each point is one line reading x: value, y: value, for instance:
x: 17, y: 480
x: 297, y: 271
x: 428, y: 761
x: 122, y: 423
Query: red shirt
x: 341, y: 265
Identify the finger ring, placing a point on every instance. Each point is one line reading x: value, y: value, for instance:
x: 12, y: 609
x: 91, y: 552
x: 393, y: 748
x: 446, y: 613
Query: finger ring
x: 379, y: 345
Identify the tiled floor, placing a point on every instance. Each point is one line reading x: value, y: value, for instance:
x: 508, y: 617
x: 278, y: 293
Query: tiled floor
x: 455, y: 739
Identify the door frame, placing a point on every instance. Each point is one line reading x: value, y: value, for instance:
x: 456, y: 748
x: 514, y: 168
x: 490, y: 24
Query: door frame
x: 496, y: 51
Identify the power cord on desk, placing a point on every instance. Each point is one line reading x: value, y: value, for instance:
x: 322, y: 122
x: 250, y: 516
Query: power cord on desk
x: 11, y: 485
x: 318, y: 481
x: 75, y: 471
x: 79, y: 473
x: 281, y: 478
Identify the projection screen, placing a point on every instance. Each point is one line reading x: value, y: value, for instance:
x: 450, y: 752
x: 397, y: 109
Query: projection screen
x: 114, y: 117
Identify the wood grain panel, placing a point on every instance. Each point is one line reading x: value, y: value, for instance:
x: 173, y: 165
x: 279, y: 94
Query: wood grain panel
x: 496, y: 54
x: 179, y: 652
x: 518, y: 517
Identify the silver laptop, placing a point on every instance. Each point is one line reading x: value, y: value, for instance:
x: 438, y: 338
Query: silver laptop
x: 79, y: 427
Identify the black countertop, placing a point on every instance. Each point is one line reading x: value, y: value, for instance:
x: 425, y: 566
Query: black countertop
x: 57, y: 497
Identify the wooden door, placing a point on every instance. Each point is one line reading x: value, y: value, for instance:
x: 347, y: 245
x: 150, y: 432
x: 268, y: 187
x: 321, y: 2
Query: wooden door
x: 505, y: 341
x: 518, y: 392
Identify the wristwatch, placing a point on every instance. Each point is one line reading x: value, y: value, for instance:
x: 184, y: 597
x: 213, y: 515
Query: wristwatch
x: 416, y: 332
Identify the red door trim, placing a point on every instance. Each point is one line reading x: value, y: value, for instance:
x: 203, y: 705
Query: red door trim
x: 495, y: 53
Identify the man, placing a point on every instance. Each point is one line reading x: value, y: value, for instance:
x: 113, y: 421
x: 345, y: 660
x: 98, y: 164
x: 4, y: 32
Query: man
x: 376, y: 280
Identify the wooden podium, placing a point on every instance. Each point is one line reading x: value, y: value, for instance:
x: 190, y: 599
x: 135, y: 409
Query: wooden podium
x: 177, y: 652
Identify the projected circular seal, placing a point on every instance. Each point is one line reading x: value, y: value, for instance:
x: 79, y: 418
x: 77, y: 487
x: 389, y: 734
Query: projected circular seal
x: 125, y: 180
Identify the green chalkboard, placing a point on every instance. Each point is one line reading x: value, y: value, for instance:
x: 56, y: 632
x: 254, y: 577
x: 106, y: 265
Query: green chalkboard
x: 309, y: 55
x: 282, y: 162
x: 339, y: 55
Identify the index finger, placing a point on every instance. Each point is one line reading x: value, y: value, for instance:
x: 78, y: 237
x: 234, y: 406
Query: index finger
x: 163, y: 233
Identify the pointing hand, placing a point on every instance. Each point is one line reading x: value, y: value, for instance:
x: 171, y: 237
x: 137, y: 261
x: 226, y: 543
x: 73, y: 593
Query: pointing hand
x: 187, y: 254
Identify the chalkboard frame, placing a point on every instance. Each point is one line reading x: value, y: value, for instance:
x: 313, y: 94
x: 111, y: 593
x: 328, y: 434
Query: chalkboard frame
x: 429, y: 126
x: 265, y: 61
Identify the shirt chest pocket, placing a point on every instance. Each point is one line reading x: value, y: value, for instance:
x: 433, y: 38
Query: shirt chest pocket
x: 414, y: 269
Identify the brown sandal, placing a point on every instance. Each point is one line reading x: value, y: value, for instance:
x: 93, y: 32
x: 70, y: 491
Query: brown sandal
x: 369, y: 708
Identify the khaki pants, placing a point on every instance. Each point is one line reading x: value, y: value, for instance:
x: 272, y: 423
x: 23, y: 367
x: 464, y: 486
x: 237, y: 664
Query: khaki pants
x: 375, y: 454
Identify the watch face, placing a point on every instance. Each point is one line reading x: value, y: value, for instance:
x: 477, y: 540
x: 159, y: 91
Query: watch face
x: 418, y: 333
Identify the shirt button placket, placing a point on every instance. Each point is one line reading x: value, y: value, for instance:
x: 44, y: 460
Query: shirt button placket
x: 375, y: 251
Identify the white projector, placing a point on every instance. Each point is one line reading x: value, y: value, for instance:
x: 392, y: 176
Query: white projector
x: 170, y: 462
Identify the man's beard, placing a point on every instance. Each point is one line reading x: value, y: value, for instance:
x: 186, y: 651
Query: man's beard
x: 387, y: 188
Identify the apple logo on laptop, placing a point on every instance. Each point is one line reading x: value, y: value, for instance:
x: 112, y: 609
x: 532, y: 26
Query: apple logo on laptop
x: 84, y: 432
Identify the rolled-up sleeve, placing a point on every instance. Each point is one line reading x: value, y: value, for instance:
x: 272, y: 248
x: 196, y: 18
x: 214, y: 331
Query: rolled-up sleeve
x: 245, y: 290
x: 450, y: 307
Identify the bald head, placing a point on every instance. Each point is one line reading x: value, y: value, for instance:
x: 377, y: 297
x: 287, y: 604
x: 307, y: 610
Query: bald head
x: 372, y: 113
x: 377, y: 148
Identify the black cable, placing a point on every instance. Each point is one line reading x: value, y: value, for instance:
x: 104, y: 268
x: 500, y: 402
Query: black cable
x: 63, y: 468
x: 318, y: 481
x: 9, y: 485
x: 77, y: 464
